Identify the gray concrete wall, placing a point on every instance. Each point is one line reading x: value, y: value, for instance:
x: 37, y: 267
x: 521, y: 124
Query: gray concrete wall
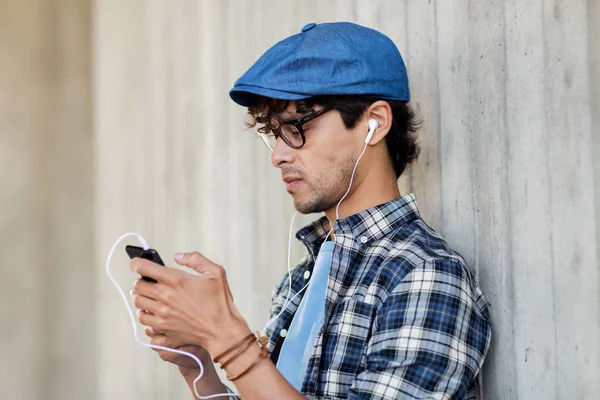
x: 47, y: 322
x: 509, y: 174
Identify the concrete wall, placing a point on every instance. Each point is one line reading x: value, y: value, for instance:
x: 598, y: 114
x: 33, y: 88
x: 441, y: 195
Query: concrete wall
x: 47, y: 319
x: 509, y: 174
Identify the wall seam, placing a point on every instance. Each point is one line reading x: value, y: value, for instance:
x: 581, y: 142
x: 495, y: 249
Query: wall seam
x: 550, y: 198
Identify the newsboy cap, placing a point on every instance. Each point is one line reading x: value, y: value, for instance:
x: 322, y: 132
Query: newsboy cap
x: 340, y: 58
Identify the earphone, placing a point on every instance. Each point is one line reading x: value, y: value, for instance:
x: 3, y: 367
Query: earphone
x: 145, y: 246
x: 373, y: 124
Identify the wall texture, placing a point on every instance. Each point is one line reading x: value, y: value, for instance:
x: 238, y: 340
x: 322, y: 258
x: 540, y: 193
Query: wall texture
x: 47, y: 319
x: 509, y: 94
x: 506, y: 91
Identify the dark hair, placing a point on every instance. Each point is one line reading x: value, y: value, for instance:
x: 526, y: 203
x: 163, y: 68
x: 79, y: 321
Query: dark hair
x: 401, y: 139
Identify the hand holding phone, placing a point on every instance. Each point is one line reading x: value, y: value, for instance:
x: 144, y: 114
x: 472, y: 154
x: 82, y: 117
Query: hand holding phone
x: 150, y: 254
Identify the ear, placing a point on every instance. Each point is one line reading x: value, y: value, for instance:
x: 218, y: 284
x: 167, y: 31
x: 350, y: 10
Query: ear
x: 382, y: 112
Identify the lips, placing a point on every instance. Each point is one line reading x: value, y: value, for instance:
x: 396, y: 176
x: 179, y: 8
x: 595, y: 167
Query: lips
x: 290, y: 179
x: 291, y: 182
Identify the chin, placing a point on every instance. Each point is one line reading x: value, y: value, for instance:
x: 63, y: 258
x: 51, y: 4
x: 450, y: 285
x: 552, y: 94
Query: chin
x: 303, y: 207
x: 309, y: 206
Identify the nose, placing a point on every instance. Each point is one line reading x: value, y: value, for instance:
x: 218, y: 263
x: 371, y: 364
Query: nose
x: 281, y: 154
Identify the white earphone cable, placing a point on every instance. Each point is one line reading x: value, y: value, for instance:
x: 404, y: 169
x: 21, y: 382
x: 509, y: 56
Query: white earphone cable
x: 337, y: 215
x: 144, y: 244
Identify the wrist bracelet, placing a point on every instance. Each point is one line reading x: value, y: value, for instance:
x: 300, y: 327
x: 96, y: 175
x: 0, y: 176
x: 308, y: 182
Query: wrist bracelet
x: 264, y: 353
x: 261, y: 356
x: 232, y: 348
x: 238, y: 352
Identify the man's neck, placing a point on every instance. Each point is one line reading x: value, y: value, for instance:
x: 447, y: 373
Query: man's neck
x: 378, y: 191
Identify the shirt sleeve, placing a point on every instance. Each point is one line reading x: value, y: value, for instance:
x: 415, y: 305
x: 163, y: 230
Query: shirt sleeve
x: 430, y: 337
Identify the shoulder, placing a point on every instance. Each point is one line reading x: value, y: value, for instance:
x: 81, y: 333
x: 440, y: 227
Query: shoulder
x: 418, y: 258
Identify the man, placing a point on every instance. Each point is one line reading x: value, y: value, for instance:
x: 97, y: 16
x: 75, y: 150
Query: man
x: 381, y: 307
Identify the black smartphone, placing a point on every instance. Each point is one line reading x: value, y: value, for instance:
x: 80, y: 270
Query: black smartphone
x: 150, y: 254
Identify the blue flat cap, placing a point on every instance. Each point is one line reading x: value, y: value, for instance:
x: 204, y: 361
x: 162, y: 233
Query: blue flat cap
x: 338, y: 58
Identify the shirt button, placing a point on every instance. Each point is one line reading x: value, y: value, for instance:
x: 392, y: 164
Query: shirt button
x: 306, y: 275
x: 283, y: 333
x: 363, y: 239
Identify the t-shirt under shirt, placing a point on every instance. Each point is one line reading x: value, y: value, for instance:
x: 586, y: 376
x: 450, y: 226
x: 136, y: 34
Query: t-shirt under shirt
x: 307, y: 322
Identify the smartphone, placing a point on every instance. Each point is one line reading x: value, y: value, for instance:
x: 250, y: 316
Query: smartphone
x: 150, y: 254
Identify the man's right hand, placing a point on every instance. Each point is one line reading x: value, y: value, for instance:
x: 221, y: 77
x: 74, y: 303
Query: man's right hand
x: 187, y: 365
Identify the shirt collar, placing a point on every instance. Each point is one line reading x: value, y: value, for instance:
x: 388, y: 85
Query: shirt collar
x: 366, y: 226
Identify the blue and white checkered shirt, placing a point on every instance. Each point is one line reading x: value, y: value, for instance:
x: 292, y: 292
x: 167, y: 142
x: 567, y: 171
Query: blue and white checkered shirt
x: 404, y: 317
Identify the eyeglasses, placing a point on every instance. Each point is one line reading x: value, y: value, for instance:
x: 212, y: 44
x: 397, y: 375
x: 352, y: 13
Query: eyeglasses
x: 291, y: 131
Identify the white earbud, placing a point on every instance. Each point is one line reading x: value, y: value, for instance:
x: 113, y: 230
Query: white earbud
x: 373, y: 124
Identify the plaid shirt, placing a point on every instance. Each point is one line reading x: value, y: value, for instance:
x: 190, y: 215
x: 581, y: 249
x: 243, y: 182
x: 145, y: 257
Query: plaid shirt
x: 404, y: 317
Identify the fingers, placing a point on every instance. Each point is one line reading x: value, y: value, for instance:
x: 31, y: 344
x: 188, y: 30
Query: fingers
x: 193, y: 259
x: 160, y: 339
x: 143, y: 303
x: 153, y: 333
x: 198, y: 263
x: 147, y: 319
x: 157, y: 339
x: 149, y: 331
x: 152, y: 270
x: 146, y: 289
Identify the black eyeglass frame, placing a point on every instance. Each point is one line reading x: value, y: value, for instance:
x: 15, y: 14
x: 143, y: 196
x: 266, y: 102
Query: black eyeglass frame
x: 297, y: 123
